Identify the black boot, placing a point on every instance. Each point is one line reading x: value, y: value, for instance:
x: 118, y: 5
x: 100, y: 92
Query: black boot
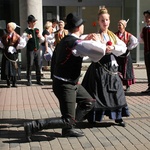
x: 83, y: 108
x: 127, y: 88
x: 29, y: 83
x: 51, y: 123
x: 8, y: 83
x: 14, y: 82
x: 39, y: 82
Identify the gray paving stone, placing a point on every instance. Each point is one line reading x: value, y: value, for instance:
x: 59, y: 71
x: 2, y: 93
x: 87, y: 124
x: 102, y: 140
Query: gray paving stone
x: 24, y: 103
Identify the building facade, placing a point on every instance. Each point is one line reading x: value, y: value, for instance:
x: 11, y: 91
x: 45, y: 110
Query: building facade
x: 43, y: 10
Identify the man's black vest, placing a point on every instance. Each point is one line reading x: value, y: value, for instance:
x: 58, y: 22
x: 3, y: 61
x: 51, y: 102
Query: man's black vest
x: 33, y: 43
x: 67, y: 65
x: 146, y: 38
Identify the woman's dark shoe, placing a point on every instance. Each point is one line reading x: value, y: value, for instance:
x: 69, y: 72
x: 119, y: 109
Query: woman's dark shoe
x: 29, y: 83
x: 40, y: 83
x: 14, y: 85
x: 8, y: 83
x: 120, y: 122
x: 8, y: 86
x: 127, y: 88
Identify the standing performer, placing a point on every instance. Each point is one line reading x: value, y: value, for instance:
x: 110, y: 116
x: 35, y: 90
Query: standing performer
x: 33, y: 49
x: 11, y: 42
x: 102, y: 80
x: 125, y: 61
x: 145, y: 36
x: 61, y: 33
x: 47, y: 47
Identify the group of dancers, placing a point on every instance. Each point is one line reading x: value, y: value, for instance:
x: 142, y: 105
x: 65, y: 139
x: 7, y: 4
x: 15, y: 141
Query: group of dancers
x: 101, y: 91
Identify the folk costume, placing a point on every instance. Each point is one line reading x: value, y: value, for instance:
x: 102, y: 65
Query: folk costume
x: 125, y: 60
x: 33, y: 51
x: 59, y: 34
x: 11, y: 43
x: 69, y: 55
x: 47, y: 51
x: 104, y: 84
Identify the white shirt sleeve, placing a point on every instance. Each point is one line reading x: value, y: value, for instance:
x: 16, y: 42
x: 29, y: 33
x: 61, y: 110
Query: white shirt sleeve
x: 25, y: 36
x: 95, y: 50
x: 83, y: 36
x: 140, y: 40
x: 22, y: 43
x: 132, y: 43
x: 42, y: 39
x: 1, y: 45
x: 119, y: 48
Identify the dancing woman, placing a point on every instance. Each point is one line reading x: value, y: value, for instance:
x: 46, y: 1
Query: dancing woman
x: 102, y: 80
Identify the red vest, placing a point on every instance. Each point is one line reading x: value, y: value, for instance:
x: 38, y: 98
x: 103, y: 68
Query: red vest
x: 13, y: 41
x: 125, y: 37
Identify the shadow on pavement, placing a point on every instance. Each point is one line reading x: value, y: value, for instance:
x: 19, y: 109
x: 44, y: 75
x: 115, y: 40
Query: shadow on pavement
x: 24, y: 83
x: 136, y: 94
x: 17, y: 135
x: 83, y: 125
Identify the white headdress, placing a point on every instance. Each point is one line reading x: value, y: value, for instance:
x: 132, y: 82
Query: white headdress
x: 124, y: 22
x: 13, y: 25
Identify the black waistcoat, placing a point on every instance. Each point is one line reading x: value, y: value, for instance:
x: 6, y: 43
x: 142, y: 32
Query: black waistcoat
x: 67, y: 65
x: 33, y: 43
x: 146, y: 38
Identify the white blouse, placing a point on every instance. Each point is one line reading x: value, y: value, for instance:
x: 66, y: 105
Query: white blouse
x: 22, y: 43
x: 133, y: 42
x: 95, y: 50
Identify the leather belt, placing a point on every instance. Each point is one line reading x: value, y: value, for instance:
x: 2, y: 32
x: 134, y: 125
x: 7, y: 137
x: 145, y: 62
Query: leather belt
x: 64, y: 79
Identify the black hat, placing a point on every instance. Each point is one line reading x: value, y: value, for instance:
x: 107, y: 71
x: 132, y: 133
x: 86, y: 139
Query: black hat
x: 31, y: 18
x: 146, y: 12
x: 73, y: 21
